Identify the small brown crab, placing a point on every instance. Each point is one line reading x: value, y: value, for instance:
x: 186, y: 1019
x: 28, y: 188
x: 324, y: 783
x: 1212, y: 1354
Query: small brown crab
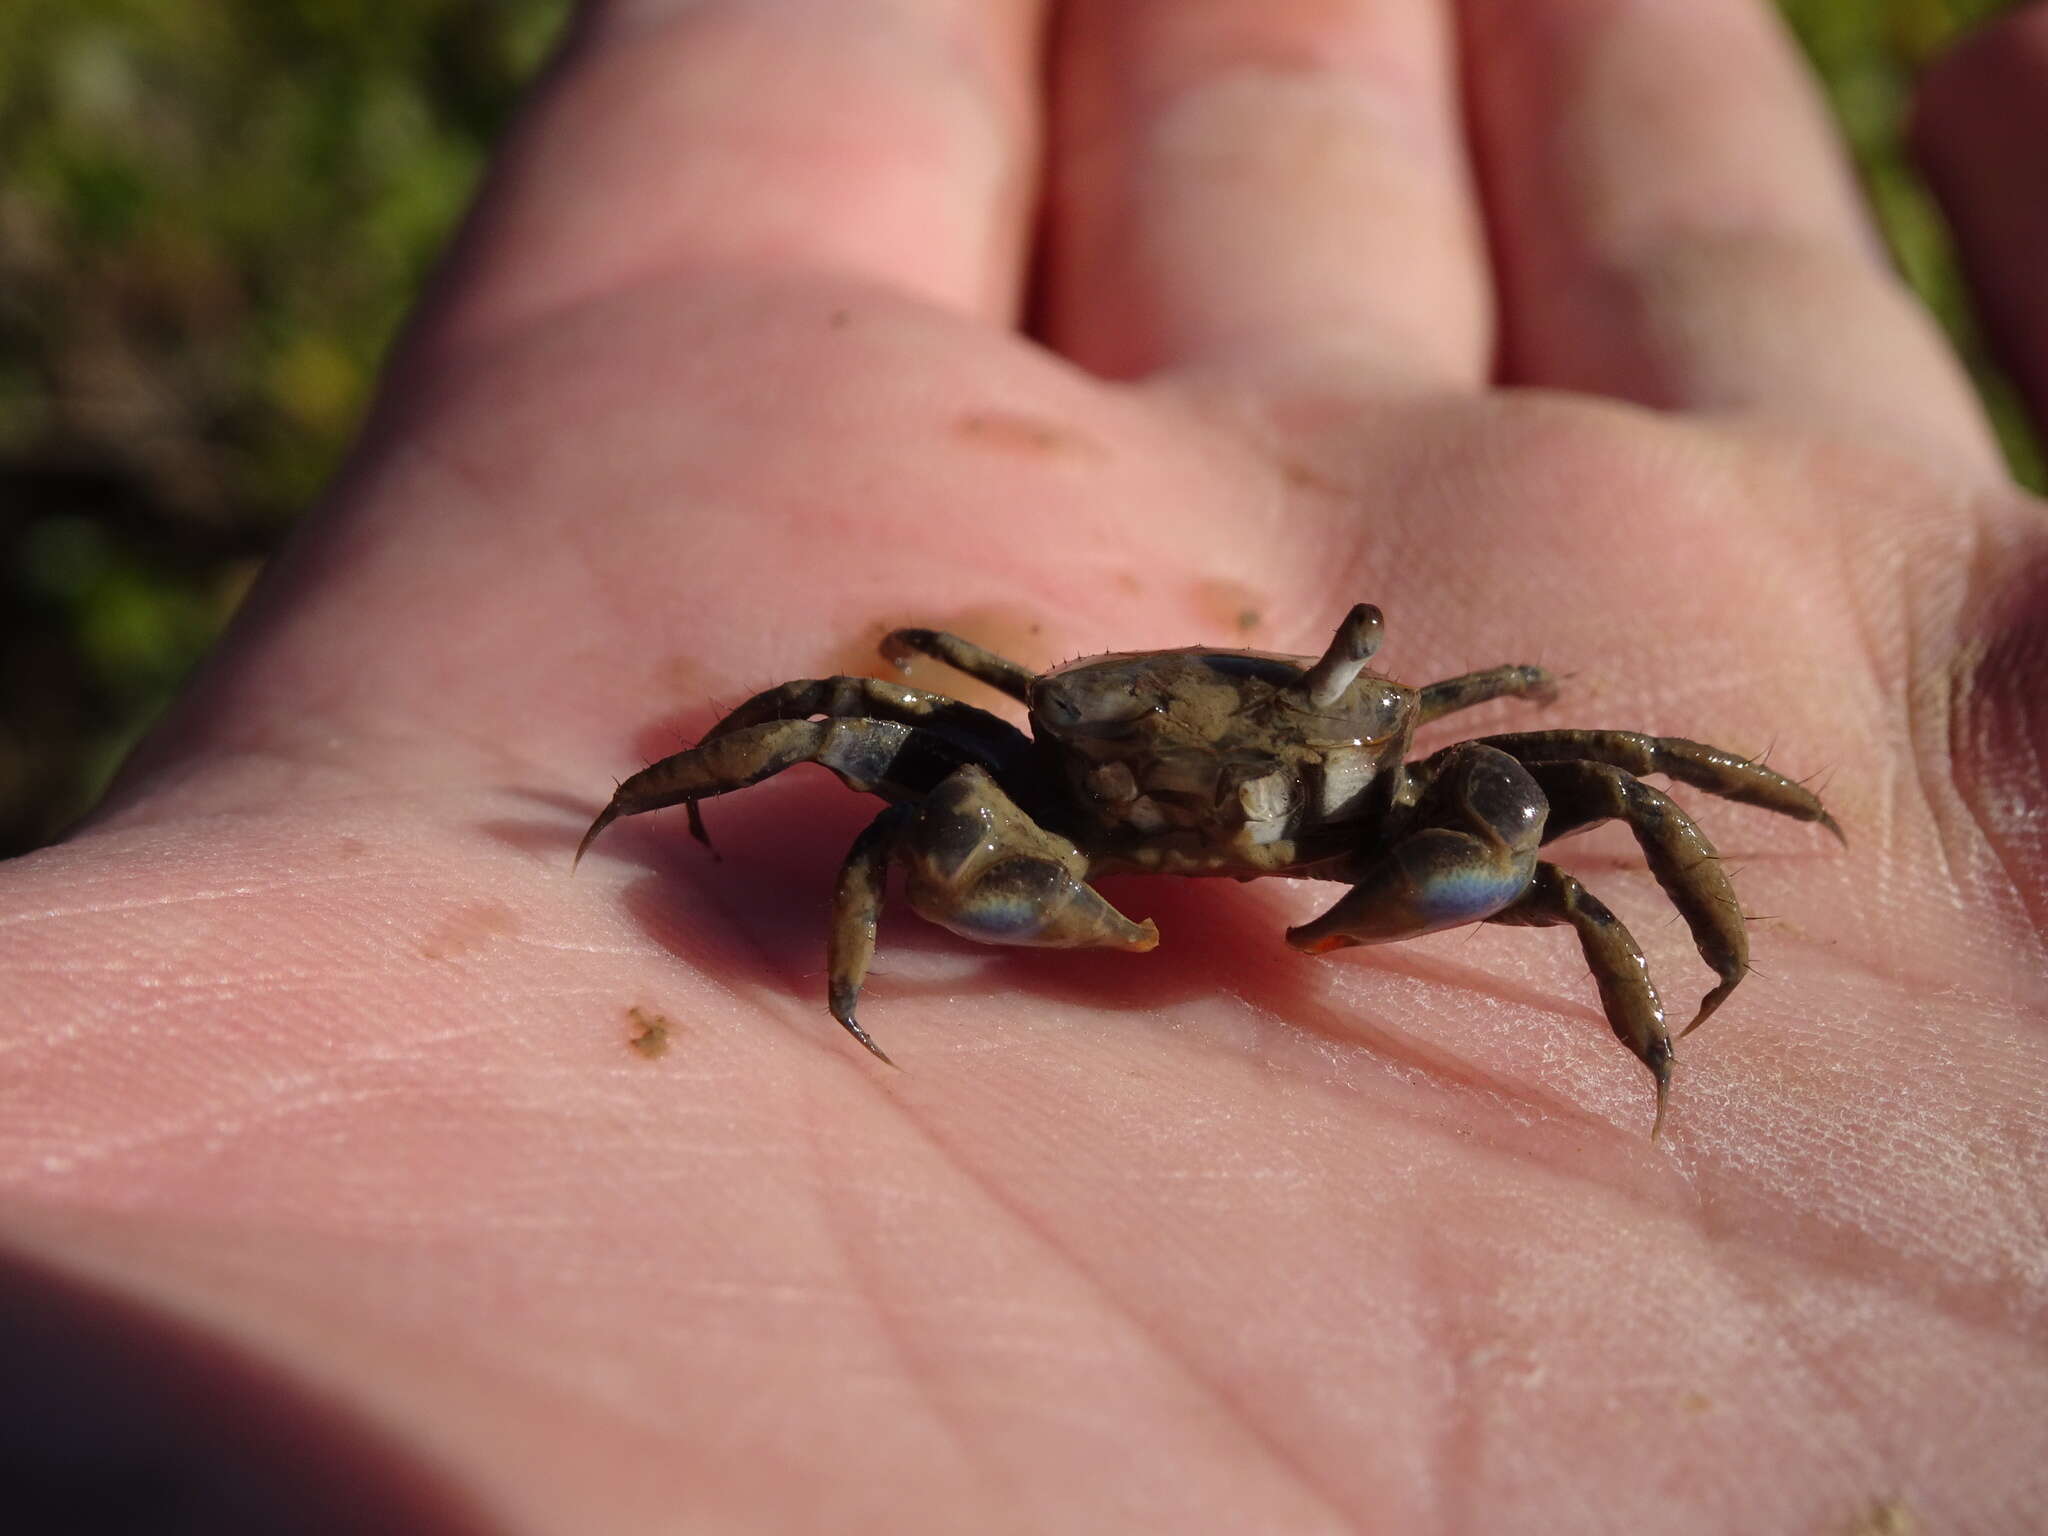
x: 1215, y: 762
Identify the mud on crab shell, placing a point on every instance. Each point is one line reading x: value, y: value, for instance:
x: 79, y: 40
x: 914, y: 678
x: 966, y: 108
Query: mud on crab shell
x: 1220, y: 762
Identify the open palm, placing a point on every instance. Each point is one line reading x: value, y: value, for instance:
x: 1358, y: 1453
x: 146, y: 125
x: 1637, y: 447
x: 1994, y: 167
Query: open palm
x: 316, y: 1045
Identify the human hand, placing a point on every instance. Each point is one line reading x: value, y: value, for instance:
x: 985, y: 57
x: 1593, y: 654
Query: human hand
x: 318, y: 1047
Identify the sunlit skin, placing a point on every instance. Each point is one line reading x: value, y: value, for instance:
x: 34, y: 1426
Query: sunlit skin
x: 1239, y: 764
x: 1570, y: 347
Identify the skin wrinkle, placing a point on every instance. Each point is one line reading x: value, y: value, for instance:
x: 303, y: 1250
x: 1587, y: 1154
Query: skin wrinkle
x: 900, y: 169
x: 756, y: 997
x: 1407, y: 1054
x: 1460, y: 1075
x: 1743, y: 1268
x: 1230, y: 1405
x: 828, y: 1174
x: 171, y: 899
x: 1935, y: 699
x: 1163, y: 176
x: 1832, y: 1371
x: 1651, y: 245
x: 1507, y: 1151
x: 1474, y: 1443
x: 1402, y: 1056
x: 1460, y: 1450
x: 1932, y: 750
x: 216, y: 1127
x: 1718, y: 1235
x: 1888, y: 662
x: 1840, y: 1245
x: 2015, y: 603
x: 1809, y: 1362
x: 1219, y: 410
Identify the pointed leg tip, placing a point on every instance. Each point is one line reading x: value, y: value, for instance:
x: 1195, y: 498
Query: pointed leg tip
x: 867, y: 1040
x: 1835, y: 827
x: 1311, y: 941
x: 605, y: 818
x: 1711, y: 1003
x: 898, y: 647
x: 698, y: 831
x: 842, y: 1010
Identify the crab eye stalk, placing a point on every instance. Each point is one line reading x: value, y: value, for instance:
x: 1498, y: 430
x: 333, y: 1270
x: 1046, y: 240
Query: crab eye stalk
x: 1350, y: 649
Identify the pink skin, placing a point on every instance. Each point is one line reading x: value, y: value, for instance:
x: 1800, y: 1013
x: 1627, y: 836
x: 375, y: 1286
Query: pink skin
x: 314, y: 1045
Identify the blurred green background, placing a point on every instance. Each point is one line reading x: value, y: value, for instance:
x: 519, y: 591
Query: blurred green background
x: 213, y: 214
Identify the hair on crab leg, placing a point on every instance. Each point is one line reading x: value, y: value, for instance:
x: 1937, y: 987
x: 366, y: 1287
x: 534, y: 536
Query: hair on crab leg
x: 1468, y: 689
x: 984, y: 666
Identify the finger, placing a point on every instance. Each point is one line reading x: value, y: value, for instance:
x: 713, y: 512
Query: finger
x: 1981, y: 131
x: 1674, y: 224
x: 1262, y: 186
x: 893, y: 140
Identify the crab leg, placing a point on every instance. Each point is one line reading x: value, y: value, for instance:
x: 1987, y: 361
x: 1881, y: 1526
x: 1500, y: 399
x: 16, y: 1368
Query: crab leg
x: 1582, y: 794
x: 977, y: 734
x: 1690, y: 762
x: 973, y: 730
x: 962, y: 656
x: 1470, y: 688
x: 1554, y: 898
x: 886, y: 756
x: 856, y: 907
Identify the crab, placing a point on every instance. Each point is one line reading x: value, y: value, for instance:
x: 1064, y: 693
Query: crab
x: 1241, y: 763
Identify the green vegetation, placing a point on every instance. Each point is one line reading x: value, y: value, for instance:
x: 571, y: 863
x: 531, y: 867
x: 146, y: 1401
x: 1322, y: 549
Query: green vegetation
x: 213, y: 216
